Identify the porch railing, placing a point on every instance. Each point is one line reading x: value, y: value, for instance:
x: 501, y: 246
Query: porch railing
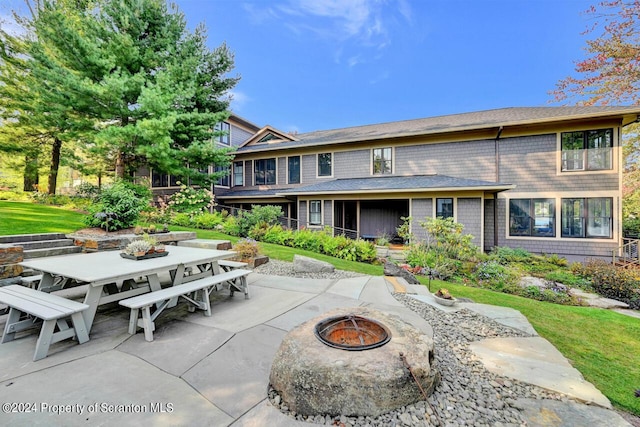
x: 627, y: 253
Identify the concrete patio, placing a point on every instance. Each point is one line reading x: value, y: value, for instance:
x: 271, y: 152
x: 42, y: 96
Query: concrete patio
x: 213, y: 371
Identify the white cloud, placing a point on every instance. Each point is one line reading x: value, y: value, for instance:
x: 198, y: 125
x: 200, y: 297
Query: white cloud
x: 238, y: 100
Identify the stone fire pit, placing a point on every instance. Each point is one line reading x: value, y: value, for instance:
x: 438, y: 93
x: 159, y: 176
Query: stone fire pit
x: 315, y: 378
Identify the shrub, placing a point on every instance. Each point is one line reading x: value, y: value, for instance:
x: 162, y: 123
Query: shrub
x: 258, y: 214
x: 492, y: 275
x: 611, y: 281
x: 505, y: 255
x: 445, y: 236
x: 246, y: 248
x: 192, y: 201
x: 207, y: 220
x: 118, y: 206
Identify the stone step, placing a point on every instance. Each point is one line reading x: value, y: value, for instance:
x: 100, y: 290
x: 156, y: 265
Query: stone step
x: 31, y: 237
x: 42, y: 244
x: 39, y: 253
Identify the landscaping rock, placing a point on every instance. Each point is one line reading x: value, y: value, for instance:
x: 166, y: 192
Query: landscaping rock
x: 303, y: 264
x: 390, y: 269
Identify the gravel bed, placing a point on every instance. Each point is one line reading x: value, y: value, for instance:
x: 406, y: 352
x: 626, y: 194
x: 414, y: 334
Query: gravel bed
x: 467, y: 395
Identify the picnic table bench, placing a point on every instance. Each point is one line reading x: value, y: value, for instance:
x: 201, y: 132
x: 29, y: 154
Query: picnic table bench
x: 28, y: 305
x: 196, y: 293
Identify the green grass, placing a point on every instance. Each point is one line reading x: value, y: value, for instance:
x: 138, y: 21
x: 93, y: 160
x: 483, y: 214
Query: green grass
x: 603, y: 345
x: 29, y: 218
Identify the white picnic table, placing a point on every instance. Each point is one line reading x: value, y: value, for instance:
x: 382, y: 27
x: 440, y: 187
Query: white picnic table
x: 113, y: 278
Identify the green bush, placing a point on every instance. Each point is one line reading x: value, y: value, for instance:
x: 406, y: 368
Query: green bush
x: 492, y: 275
x: 567, y: 278
x: 612, y: 282
x: 267, y: 214
x: 207, y: 221
x: 505, y: 255
x: 446, y: 236
x: 118, y: 206
x: 631, y: 227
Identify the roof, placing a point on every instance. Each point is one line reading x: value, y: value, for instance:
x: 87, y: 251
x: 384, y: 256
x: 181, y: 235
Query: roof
x: 253, y: 194
x: 390, y: 184
x: 489, y: 119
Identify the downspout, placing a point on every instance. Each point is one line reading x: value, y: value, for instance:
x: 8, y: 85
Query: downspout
x: 495, y: 195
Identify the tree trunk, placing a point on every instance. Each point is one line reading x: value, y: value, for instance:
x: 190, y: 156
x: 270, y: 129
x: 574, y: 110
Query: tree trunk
x: 120, y: 165
x: 55, y: 165
x: 31, y: 180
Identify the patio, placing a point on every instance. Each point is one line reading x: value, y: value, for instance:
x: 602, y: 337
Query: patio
x: 214, y: 371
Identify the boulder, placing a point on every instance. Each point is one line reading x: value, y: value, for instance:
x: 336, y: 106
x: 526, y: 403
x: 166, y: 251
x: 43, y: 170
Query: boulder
x: 390, y: 269
x: 303, y: 264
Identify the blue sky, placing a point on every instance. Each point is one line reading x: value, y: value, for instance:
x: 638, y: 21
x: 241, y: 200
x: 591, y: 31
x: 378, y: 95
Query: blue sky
x: 324, y: 64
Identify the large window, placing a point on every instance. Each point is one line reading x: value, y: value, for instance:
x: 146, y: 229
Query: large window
x: 587, y: 217
x: 223, y: 181
x: 324, y: 164
x: 444, y: 208
x: 532, y: 217
x: 587, y: 150
x: 293, y: 168
x: 222, y: 133
x: 265, y: 171
x: 382, y: 161
x: 238, y: 173
x: 315, y: 212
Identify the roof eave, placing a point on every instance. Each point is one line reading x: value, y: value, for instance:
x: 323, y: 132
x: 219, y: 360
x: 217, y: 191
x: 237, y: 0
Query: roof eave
x: 496, y: 188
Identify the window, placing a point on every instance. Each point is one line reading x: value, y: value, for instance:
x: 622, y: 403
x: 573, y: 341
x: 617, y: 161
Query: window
x: 381, y: 161
x: 238, y: 173
x: 444, y: 208
x: 532, y: 217
x: 587, y: 150
x: 324, y: 164
x: 159, y: 179
x: 223, y: 181
x: 264, y: 171
x: 222, y: 131
x: 268, y: 137
x: 587, y: 217
x: 293, y: 168
x: 315, y: 212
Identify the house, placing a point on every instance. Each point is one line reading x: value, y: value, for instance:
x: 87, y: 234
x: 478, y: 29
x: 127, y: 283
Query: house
x: 546, y: 179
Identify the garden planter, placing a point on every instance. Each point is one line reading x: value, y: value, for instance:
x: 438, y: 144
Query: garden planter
x: 444, y: 301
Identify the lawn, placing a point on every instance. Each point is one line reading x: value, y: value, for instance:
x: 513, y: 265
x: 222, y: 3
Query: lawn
x: 30, y: 218
x: 603, y: 345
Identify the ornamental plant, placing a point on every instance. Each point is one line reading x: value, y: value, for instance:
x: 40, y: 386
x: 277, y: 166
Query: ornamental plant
x: 118, y: 206
x: 191, y: 201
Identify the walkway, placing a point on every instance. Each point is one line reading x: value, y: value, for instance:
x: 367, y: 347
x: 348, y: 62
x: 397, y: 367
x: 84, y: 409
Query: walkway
x: 213, y: 371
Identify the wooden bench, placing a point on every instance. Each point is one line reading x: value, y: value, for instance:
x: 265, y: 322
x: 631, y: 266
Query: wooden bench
x: 55, y: 312
x: 228, y: 265
x: 196, y: 292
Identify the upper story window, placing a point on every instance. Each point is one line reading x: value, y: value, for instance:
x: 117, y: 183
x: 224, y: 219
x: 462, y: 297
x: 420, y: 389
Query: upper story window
x: 223, y: 132
x: 268, y: 137
x: 532, y: 217
x: 293, y: 170
x: 324, y: 164
x: 587, y: 217
x: 264, y: 171
x: 223, y: 181
x: 444, y: 208
x: 382, y: 161
x: 238, y: 174
x: 587, y: 150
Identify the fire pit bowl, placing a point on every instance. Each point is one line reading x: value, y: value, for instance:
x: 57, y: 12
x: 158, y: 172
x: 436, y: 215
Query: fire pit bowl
x: 360, y: 371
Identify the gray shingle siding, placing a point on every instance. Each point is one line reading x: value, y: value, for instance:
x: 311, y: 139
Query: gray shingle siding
x: 351, y: 164
x: 327, y: 212
x: 473, y: 160
x: 488, y: 225
x: 420, y: 209
x: 239, y: 136
x: 302, y: 213
x: 470, y: 215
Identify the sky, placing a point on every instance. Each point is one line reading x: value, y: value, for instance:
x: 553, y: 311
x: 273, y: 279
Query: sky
x: 309, y: 65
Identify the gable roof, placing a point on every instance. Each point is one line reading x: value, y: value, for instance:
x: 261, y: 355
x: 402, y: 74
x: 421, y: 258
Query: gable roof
x: 489, y: 119
x: 269, y: 135
x: 392, y: 184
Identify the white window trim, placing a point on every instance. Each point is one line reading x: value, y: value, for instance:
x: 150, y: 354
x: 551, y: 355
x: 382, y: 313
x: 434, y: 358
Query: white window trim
x: 309, y: 213
x: 616, y: 153
x: 333, y: 158
x: 393, y: 161
x: 434, y: 207
x: 287, y: 169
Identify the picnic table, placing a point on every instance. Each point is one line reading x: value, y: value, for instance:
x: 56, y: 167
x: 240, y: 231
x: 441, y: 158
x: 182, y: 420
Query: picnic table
x: 113, y: 278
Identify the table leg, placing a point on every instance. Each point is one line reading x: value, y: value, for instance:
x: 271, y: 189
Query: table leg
x: 92, y: 299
